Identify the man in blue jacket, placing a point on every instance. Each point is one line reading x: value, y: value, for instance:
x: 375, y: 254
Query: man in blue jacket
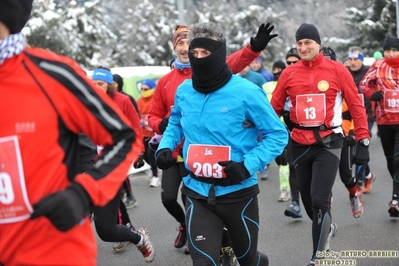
x: 220, y: 115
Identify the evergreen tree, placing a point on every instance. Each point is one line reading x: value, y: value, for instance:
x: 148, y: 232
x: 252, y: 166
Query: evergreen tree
x: 371, y: 26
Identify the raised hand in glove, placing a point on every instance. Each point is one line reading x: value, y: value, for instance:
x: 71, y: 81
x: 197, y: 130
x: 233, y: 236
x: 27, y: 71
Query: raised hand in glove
x: 139, y: 162
x: 64, y: 209
x: 164, y: 123
x: 165, y: 159
x: 377, y: 96
x: 361, y: 154
x: 235, y: 171
x: 262, y: 38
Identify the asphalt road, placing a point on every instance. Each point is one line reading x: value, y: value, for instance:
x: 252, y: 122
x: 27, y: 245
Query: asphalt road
x: 286, y: 241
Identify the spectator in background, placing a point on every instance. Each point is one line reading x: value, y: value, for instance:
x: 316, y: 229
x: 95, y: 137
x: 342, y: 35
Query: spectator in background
x: 257, y: 66
x: 144, y: 104
x: 252, y: 76
x: 345, y: 162
x: 118, y: 84
x: 281, y: 160
x: 357, y: 69
x: 381, y: 85
x: 292, y: 57
x: 106, y: 218
x: 130, y: 201
x: 294, y: 209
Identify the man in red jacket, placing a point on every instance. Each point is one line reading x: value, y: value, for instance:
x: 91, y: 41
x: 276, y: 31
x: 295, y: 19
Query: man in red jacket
x: 316, y: 87
x: 46, y: 102
x: 163, y: 102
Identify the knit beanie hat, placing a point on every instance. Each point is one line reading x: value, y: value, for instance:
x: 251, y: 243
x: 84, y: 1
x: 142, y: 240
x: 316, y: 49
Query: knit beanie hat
x: 391, y: 43
x: 15, y: 13
x: 118, y: 79
x: 279, y: 64
x: 293, y: 52
x: 308, y: 31
x: 149, y: 82
x: 181, y: 32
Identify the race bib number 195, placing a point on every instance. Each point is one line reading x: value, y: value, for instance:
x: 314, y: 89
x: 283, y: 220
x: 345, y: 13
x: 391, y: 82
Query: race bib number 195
x: 203, y: 160
x: 14, y: 203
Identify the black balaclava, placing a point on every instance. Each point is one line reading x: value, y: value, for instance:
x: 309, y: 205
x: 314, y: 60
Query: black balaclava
x: 209, y: 73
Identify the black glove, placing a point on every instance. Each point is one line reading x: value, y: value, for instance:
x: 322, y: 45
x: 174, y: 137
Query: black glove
x: 262, y: 38
x: 139, y: 162
x: 346, y: 115
x: 287, y: 120
x: 377, y: 96
x: 64, y: 209
x: 235, y: 171
x: 164, y: 123
x: 361, y: 154
x: 165, y: 159
x: 350, y: 139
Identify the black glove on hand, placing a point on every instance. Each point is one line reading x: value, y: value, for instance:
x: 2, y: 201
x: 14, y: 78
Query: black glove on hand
x: 346, y: 115
x: 165, y: 159
x: 361, y: 154
x: 236, y: 172
x: 377, y: 96
x: 64, y: 209
x: 164, y: 123
x: 350, y: 139
x: 262, y: 38
x: 139, y: 162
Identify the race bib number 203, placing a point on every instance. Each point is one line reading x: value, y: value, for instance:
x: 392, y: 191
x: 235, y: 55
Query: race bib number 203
x: 202, y: 159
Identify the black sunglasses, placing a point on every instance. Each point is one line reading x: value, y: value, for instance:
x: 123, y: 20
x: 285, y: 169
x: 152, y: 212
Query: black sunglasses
x: 291, y: 62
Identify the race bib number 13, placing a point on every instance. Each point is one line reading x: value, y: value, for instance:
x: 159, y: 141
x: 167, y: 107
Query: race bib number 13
x: 203, y: 160
x: 311, y: 109
x: 14, y: 203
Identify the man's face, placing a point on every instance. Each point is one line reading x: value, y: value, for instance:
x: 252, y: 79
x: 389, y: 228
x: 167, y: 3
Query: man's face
x: 181, y: 51
x: 200, y: 52
x: 307, y: 49
x: 355, y: 63
x: 255, y: 65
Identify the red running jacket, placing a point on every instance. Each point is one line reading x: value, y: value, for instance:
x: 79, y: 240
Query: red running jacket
x: 320, y: 76
x: 46, y: 100
x: 385, y: 78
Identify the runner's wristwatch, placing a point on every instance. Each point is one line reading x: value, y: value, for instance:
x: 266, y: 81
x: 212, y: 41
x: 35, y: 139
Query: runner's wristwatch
x: 365, y: 142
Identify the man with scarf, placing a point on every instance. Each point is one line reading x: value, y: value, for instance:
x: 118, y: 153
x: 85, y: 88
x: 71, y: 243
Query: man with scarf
x: 381, y: 85
x: 220, y: 115
x: 47, y: 100
x: 163, y: 102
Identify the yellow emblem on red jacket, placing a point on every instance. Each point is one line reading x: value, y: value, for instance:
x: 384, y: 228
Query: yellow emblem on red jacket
x: 323, y: 85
